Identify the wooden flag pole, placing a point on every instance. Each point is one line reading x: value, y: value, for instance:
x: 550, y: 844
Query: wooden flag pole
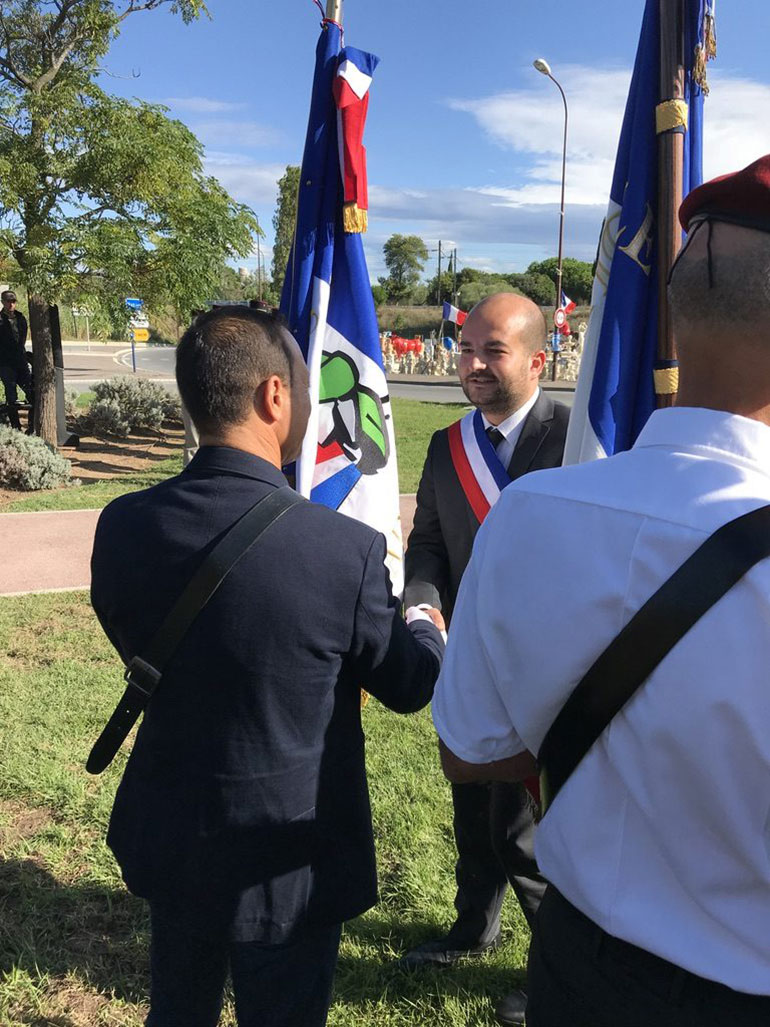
x: 671, y: 117
x: 334, y: 10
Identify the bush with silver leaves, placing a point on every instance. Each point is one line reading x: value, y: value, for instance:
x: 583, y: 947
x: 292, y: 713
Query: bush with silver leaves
x: 27, y: 463
x: 126, y: 404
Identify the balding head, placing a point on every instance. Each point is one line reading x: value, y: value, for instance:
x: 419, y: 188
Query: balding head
x: 502, y: 354
x: 517, y: 315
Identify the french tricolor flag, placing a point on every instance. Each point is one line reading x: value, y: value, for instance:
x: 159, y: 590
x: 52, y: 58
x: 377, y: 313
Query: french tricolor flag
x: 351, y: 95
x: 567, y: 304
x: 454, y: 314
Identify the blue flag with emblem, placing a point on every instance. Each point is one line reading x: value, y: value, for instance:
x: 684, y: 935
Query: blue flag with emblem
x: 615, y: 393
x: 348, y: 459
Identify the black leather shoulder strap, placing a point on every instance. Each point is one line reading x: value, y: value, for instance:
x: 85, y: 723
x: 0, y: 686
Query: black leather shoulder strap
x: 702, y: 580
x: 143, y: 674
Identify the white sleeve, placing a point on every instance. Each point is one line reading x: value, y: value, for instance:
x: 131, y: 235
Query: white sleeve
x: 468, y: 712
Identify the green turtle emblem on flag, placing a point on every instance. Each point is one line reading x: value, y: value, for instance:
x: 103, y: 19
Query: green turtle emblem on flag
x: 358, y: 414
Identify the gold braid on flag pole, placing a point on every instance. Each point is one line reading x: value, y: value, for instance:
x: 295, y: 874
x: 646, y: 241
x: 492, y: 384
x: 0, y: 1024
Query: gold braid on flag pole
x: 669, y: 115
x: 666, y: 381
x: 354, y: 219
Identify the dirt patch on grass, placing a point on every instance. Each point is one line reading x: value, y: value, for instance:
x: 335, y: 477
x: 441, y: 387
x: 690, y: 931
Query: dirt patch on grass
x: 103, y: 459
x: 18, y: 823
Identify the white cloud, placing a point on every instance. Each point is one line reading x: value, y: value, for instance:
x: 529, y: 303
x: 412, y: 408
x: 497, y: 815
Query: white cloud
x: 530, y: 122
x: 736, y: 125
x: 242, y: 134
x: 245, y: 180
x: 200, y: 104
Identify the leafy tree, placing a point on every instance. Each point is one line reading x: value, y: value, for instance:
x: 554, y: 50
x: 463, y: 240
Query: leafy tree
x: 436, y: 296
x: 577, y: 276
x: 100, y: 197
x: 379, y: 295
x: 284, y: 223
x: 470, y: 293
x: 468, y: 274
x: 405, y: 257
x: 232, y: 285
x: 538, y: 287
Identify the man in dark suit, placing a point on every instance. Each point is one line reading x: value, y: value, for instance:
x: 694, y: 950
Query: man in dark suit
x: 14, y: 370
x: 501, y: 358
x: 243, y: 814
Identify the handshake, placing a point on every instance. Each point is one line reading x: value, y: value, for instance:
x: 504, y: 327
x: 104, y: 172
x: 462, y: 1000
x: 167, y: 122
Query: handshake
x: 425, y: 612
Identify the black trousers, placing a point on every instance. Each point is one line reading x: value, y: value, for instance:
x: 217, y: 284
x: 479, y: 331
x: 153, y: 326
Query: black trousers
x: 288, y: 985
x: 12, y: 377
x: 579, y: 976
x: 494, y: 827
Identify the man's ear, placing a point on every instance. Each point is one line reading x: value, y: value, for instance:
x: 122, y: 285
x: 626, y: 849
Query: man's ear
x: 270, y: 399
x: 538, y: 363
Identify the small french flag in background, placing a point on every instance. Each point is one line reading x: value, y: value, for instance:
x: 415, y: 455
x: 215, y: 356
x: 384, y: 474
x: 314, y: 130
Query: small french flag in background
x: 567, y: 304
x: 454, y: 314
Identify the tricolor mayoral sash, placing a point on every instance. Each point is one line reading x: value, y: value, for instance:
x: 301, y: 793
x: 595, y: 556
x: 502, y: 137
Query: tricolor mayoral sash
x: 478, y: 467
x: 482, y: 478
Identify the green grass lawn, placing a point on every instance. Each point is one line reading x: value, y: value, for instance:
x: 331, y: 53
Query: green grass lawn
x: 414, y: 423
x: 73, y: 943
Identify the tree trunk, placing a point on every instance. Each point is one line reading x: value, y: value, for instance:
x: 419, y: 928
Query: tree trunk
x: 43, y: 370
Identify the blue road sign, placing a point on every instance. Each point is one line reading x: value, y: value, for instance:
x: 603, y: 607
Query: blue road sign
x: 134, y: 303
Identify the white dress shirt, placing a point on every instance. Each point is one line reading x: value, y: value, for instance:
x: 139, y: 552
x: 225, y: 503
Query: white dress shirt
x: 510, y: 428
x: 662, y: 834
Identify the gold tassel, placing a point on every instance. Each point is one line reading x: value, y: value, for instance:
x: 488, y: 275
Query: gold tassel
x: 364, y: 699
x: 354, y: 219
x: 699, y: 70
x: 711, y: 37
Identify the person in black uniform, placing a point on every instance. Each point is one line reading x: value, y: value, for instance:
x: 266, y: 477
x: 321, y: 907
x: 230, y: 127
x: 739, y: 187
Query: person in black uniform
x: 501, y: 358
x: 14, y: 369
x: 243, y: 813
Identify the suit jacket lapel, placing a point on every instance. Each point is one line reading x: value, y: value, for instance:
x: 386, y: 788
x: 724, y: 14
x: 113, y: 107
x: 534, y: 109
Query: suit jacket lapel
x: 533, y: 433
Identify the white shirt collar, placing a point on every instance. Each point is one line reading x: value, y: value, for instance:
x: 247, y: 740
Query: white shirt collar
x: 697, y: 428
x: 516, y: 418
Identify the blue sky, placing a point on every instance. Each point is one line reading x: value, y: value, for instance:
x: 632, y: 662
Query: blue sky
x: 464, y: 136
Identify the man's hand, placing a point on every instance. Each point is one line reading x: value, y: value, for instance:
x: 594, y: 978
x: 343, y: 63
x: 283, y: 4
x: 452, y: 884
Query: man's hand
x: 514, y: 768
x: 435, y: 616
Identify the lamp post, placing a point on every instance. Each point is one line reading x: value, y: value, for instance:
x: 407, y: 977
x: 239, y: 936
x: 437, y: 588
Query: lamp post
x: 544, y: 68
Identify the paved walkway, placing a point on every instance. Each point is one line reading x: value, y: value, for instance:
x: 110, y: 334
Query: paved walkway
x: 51, y: 551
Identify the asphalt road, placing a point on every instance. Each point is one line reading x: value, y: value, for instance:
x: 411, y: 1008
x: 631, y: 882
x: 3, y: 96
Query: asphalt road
x: 84, y: 368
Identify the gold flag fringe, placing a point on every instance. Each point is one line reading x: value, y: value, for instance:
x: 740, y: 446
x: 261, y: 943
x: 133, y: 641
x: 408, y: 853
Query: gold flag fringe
x: 705, y: 52
x: 364, y: 699
x: 699, y: 69
x: 354, y: 219
x: 711, y: 37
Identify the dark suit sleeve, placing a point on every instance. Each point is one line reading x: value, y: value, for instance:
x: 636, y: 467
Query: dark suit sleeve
x: 397, y: 664
x: 426, y: 565
x: 22, y: 330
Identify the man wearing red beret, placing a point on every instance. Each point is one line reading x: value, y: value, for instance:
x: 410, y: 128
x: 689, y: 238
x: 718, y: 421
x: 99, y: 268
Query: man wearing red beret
x: 651, y: 717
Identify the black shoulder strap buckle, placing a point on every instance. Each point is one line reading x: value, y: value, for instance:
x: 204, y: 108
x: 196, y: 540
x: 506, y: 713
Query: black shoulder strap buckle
x: 142, y: 676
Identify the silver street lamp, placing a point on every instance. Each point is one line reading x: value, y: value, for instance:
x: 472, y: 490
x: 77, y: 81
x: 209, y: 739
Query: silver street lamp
x: 544, y: 68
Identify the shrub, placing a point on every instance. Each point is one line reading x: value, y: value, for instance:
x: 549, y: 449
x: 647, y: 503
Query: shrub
x: 105, y: 417
x: 126, y: 404
x: 28, y: 463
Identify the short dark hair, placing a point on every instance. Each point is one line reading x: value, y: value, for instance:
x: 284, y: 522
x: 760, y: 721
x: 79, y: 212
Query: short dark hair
x: 223, y: 358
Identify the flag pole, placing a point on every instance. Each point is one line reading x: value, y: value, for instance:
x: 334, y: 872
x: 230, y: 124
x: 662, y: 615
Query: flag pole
x: 334, y: 10
x: 671, y: 118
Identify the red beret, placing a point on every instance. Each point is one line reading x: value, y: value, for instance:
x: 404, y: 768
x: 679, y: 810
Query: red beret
x: 742, y: 198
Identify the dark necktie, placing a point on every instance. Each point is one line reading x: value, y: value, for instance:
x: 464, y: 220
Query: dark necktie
x: 495, y: 436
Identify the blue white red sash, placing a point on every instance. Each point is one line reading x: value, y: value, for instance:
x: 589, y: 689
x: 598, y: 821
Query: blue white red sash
x: 482, y: 475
